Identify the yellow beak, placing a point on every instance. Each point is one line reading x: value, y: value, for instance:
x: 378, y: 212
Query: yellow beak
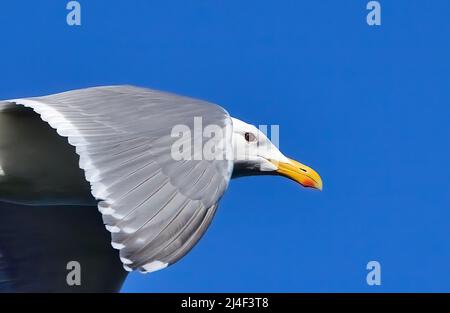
x: 300, y: 173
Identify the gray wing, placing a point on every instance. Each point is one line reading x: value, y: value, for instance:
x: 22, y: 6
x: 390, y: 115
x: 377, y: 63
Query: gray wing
x: 156, y: 207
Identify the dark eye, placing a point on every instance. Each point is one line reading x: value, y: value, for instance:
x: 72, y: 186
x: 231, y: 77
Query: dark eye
x: 250, y: 137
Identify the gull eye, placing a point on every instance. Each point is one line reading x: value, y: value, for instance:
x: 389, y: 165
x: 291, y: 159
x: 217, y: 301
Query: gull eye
x: 250, y: 137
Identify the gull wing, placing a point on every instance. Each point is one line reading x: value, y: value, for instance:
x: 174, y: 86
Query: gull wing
x: 155, y: 206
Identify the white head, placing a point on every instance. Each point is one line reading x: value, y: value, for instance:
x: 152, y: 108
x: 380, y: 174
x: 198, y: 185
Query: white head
x: 255, y: 154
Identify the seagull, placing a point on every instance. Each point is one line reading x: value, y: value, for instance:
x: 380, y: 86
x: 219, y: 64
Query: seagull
x: 136, y: 155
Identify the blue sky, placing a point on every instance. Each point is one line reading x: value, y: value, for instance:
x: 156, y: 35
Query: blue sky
x: 367, y: 107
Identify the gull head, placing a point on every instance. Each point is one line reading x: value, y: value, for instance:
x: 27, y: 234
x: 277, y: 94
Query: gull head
x: 255, y: 154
